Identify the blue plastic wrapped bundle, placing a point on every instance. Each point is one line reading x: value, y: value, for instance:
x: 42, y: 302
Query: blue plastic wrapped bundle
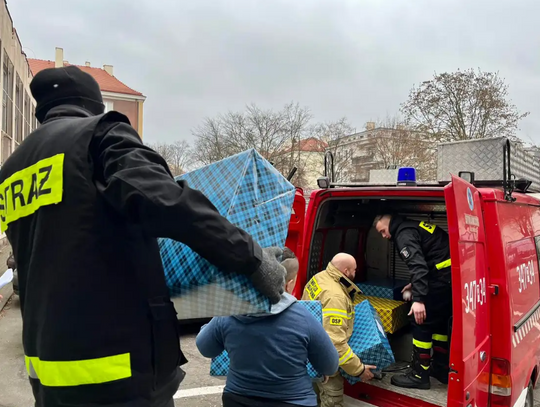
x: 383, y: 288
x: 368, y: 340
x: 220, y: 364
x: 253, y: 195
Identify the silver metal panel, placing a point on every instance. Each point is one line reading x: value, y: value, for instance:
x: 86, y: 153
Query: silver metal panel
x: 485, y: 158
x: 383, y: 176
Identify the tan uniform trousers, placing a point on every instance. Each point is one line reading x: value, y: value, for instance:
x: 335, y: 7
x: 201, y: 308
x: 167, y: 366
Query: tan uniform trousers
x: 331, y: 393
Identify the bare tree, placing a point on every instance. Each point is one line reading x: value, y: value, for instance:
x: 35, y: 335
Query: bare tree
x: 334, y: 134
x: 178, y: 155
x: 396, y: 145
x: 462, y: 105
x: 274, y: 134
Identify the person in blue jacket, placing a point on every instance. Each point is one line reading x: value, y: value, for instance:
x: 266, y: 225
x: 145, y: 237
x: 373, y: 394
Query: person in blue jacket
x: 268, y: 352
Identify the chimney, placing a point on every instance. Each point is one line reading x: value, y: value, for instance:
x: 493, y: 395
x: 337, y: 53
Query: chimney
x: 370, y: 125
x: 59, y: 58
x: 108, y: 69
x: 87, y: 63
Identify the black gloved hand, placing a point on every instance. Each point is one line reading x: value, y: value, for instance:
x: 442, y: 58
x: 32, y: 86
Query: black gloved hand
x: 269, y: 278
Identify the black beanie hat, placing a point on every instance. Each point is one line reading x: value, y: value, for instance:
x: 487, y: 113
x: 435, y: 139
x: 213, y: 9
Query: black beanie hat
x: 65, y: 86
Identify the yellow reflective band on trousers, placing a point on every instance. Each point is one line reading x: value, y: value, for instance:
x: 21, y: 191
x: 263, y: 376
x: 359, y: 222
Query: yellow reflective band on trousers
x: 444, y: 264
x: 439, y: 338
x: 79, y: 372
x: 349, y: 354
x: 24, y: 192
x: 422, y: 345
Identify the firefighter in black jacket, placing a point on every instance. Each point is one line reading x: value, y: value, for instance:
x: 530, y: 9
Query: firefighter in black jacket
x: 83, y: 201
x: 425, y: 249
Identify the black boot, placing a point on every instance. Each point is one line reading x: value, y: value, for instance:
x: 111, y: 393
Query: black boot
x: 418, y: 376
x: 440, y: 372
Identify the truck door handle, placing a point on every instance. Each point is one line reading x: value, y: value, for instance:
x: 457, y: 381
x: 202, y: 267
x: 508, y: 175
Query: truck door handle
x: 493, y: 289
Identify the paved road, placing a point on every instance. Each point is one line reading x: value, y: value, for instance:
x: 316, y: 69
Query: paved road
x: 198, y: 389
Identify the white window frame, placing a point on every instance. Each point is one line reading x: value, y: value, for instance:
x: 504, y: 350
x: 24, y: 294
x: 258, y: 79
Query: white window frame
x: 109, y: 105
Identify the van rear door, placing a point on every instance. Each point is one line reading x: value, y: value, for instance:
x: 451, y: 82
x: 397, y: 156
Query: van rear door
x: 470, y: 351
x: 295, y: 235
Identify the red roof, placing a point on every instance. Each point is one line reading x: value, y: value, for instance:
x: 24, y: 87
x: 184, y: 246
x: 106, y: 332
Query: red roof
x: 107, y: 83
x: 311, y: 145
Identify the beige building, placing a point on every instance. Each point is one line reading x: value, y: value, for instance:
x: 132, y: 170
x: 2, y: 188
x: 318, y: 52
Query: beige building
x: 18, y: 106
x: 308, y: 157
x: 116, y: 95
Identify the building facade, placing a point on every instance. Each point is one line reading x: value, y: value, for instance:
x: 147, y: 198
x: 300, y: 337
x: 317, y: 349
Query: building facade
x: 116, y: 95
x: 18, y: 106
x: 383, y: 147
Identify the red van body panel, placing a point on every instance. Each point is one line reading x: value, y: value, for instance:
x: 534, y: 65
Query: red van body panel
x: 494, y: 248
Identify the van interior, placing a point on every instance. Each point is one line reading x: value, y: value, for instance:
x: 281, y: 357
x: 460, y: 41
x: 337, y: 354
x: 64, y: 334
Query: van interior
x: 345, y: 225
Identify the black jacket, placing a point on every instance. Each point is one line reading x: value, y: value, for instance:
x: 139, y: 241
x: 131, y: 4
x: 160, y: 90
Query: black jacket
x: 426, y: 251
x: 84, y: 201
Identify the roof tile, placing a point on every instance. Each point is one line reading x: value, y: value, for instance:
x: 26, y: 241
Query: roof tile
x: 107, y: 83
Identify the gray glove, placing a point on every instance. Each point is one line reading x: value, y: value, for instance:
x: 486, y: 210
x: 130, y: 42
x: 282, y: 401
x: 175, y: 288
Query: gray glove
x: 269, y: 278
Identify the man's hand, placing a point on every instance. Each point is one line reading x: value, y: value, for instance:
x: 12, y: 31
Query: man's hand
x: 419, y: 311
x: 407, y: 287
x: 325, y: 379
x: 367, y: 375
x: 269, y: 279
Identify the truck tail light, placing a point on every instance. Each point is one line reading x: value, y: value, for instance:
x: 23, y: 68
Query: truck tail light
x: 500, y: 385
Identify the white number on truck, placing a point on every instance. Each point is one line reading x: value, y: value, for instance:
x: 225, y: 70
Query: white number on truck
x: 475, y: 294
x: 526, y: 275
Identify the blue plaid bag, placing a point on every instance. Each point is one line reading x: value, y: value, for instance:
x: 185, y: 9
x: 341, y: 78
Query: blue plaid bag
x: 368, y: 340
x: 253, y: 195
x: 220, y: 364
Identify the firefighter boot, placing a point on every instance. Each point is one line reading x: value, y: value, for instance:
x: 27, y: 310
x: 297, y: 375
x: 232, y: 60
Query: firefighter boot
x: 418, y: 376
x: 440, y: 362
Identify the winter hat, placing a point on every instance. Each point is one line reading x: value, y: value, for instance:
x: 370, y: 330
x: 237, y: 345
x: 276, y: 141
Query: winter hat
x: 65, y: 86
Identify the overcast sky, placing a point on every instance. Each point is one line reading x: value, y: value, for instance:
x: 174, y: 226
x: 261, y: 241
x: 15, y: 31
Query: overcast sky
x: 358, y: 58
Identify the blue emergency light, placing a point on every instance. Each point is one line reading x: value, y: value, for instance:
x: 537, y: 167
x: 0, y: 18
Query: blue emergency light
x: 406, y: 176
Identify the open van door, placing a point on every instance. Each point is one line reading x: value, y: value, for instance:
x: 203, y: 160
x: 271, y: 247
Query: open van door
x: 470, y: 346
x: 295, y: 235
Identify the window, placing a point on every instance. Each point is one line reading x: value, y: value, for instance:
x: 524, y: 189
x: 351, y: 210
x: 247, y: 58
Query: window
x: 6, y: 147
x: 5, y: 97
x: 109, y: 105
x: 27, y: 117
x: 19, y: 96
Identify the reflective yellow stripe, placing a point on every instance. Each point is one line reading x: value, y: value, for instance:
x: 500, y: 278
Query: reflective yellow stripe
x: 29, y: 189
x: 440, y: 338
x: 336, y: 313
x: 349, y: 354
x: 79, y: 372
x: 422, y: 345
x: 425, y: 367
x: 444, y: 264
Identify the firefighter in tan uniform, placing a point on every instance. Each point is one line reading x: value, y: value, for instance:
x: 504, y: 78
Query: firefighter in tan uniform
x: 335, y: 290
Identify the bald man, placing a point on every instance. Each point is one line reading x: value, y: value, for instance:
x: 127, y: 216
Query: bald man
x: 335, y: 290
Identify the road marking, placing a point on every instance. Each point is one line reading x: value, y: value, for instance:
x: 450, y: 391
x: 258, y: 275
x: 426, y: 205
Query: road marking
x: 199, y: 391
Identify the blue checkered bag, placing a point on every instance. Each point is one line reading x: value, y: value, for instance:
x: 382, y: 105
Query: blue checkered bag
x: 253, y: 195
x: 220, y: 364
x: 368, y: 340
x: 383, y: 288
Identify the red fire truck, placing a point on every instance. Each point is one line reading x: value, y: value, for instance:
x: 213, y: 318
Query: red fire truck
x: 494, y: 230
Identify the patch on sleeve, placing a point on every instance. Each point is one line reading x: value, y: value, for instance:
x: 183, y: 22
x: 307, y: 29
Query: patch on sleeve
x: 405, y: 253
x: 313, y: 289
x: 336, y: 321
